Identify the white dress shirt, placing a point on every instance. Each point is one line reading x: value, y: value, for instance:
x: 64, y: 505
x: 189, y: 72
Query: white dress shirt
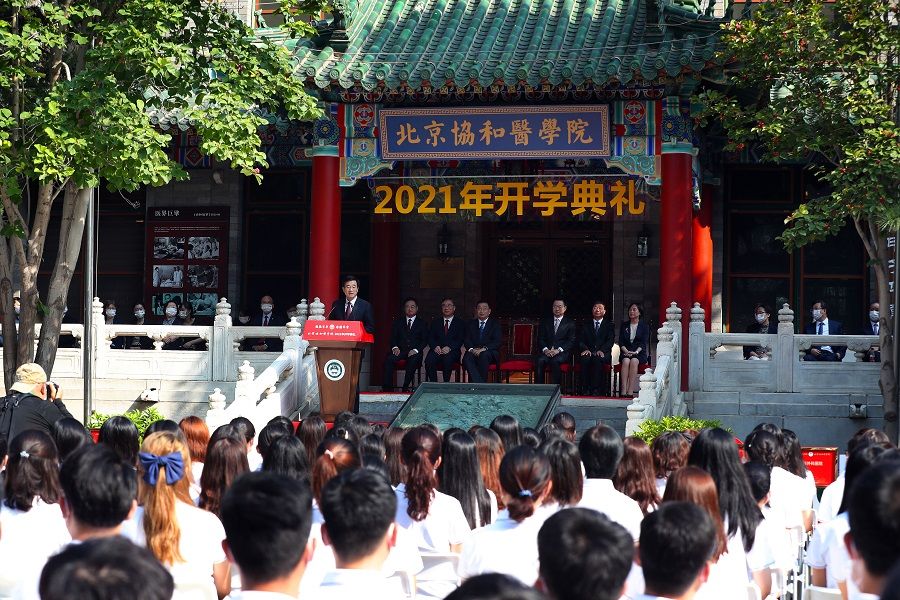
x: 600, y: 495
x: 831, y: 500
x: 342, y: 584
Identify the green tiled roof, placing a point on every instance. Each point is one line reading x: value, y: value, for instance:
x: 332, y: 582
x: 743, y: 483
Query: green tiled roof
x: 398, y: 44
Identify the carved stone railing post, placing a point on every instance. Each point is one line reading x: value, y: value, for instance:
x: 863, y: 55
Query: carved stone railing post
x: 784, y: 351
x: 302, y: 314
x: 696, y: 333
x: 316, y: 310
x: 673, y: 320
x: 292, y: 338
x: 220, y: 344
x: 244, y: 398
x: 215, y: 415
x: 98, y: 337
x: 642, y: 407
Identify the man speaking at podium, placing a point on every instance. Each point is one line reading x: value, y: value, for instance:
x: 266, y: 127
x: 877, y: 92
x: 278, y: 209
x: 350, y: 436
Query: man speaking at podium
x: 352, y: 307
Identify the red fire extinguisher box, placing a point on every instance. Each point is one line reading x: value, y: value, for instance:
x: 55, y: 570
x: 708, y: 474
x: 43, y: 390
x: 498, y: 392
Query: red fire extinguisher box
x: 822, y: 462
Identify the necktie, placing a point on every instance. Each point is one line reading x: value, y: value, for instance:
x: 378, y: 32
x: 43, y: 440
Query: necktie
x: 446, y: 326
x: 266, y: 321
x: 409, y: 323
x: 820, y: 328
x: 347, y: 311
x: 481, y: 330
x: 875, y: 328
x: 596, y: 327
x: 555, y: 325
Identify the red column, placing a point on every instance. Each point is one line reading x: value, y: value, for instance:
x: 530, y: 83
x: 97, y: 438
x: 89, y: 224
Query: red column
x: 675, y: 272
x: 325, y: 227
x: 385, y: 289
x: 675, y: 261
x: 702, y: 263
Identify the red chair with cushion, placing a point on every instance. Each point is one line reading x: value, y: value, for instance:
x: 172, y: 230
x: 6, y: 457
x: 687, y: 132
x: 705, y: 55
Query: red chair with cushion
x: 521, y: 344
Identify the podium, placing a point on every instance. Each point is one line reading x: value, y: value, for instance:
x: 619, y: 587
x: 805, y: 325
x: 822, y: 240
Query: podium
x: 339, y: 353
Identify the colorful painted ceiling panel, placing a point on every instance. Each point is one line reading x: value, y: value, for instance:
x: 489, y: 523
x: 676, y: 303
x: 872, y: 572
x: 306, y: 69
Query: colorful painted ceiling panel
x: 411, y: 45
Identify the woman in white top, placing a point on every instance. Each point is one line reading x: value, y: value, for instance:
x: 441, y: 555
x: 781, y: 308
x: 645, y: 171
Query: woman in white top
x: 435, y: 521
x: 32, y: 527
x: 184, y: 538
x: 459, y: 475
x: 509, y: 546
x: 670, y: 452
x: 565, y: 472
x: 196, y: 434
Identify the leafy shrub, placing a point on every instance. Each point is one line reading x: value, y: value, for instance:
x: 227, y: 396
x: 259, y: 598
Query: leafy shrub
x: 142, y: 419
x: 650, y: 429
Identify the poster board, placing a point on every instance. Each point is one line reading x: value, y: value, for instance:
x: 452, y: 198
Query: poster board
x: 186, y: 258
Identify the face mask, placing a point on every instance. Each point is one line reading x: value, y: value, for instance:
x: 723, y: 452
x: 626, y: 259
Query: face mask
x: 873, y: 315
x: 139, y: 314
x: 761, y: 318
x: 244, y: 320
x: 171, y: 311
x: 110, y: 312
x: 266, y: 308
x: 182, y: 314
x: 816, y: 313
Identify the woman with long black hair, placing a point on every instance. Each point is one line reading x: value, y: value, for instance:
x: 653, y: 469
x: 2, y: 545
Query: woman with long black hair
x: 459, y: 475
x: 509, y: 545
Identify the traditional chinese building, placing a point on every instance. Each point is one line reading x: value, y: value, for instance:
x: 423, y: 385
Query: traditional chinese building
x: 510, y: 151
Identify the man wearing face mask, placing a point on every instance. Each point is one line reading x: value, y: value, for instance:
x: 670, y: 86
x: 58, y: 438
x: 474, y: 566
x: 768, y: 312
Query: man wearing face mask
x: 762, y: 323
x: 822, y: 325
x: 872, y: 326
x: 267, y: 317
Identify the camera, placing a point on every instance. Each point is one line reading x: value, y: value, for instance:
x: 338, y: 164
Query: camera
x: 52, y: 390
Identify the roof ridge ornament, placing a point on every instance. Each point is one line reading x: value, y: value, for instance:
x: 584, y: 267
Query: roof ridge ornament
x: 342, y: 10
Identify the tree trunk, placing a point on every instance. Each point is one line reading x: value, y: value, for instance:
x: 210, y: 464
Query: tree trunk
x: 887, y: 381
x: 9, y: 332
x: 75, y: 204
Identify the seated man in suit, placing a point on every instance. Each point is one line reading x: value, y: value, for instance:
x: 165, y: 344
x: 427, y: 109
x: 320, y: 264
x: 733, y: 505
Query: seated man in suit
x: 872, y: 326
x: 822, y: 325
x: 445, y: 338
x: 482, y: 343
x: 556, y: 338
x: 266, y: 317
x: 597, y: 338
x: 351, y: 307
x: 409, y: 336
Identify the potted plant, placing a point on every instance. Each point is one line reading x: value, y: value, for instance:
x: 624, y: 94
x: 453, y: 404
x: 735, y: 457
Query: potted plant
x: 650, y: 429
x: 142, y: 419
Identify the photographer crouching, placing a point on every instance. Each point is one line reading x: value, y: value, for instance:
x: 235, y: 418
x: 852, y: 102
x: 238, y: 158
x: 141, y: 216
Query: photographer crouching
x: 32, y: 403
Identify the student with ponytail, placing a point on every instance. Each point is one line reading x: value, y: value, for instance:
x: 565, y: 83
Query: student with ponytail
x: 184, y: 538
x: 509, y: 545
x: 333, y: 456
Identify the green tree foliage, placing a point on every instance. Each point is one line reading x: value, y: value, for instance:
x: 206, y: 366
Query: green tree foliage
x: 825, y: 81
x: 80, y: 81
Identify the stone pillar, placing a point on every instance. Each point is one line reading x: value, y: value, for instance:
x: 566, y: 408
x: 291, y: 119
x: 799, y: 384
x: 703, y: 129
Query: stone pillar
x: 702, y: 254
x: 697, y: 329
x: 784, y: 355
x: 221, y: 341
x: 325, y: 225
x: 385, y: 290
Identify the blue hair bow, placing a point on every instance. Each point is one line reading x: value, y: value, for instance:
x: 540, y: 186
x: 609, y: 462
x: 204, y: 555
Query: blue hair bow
x: 151, y: 463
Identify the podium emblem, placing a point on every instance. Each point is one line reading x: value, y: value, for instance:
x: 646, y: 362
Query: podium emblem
x: 334, y: 370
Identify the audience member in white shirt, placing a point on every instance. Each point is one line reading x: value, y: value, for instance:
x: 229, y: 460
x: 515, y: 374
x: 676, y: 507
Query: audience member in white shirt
x: 874, y: 538
x: 771, y: 551
x: 105, y: 567
x: 635, y: 474
x: 670, y: 452
x: 827, y: 554
x: 459, y: 475
x: 601, y: 451
x: 565, y: 471
x: 677, y: 542
x: 196, y: 434
x: 184, y: 538
x: 834, y: 493
x: 267, y: 520
x: 32, y: 527
x: 786, y: 491
x: 728, y: 575
x: 434, y: 520
x: 509, y: 546
x: 583, y: 556
x: 359, y: 507
x: 98, y: 491
x: 495, y: 585
x: 246, y: 429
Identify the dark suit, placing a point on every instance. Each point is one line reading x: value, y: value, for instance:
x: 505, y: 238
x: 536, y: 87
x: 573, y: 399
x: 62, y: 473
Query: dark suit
x: 837, y: 352
x: 872, y: 355
x: 641, y: 339
x: 755, y: 327
x: 563, y: 337
x: 275, y: 320
x: 362, y: 311
x: 596, y: 340
x: 438, y: 339
x: 490, y: 339
x: 406, y: 339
